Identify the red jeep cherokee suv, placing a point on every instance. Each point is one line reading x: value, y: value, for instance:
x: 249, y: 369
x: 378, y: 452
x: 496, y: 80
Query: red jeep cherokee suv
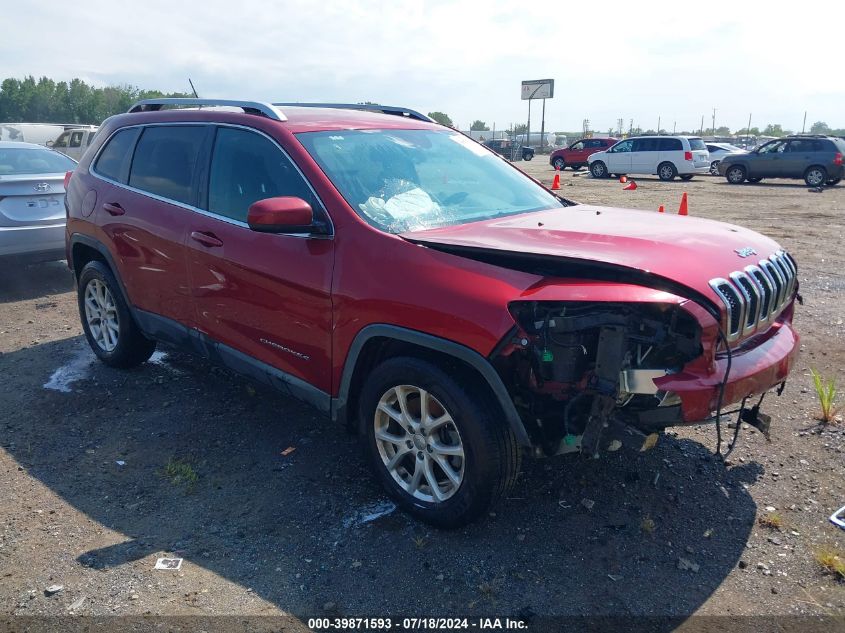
x: 414, y: 285
x: 576, y: 155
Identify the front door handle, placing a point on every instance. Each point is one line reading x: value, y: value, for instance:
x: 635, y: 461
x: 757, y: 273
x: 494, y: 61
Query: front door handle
x: 206, y: 239
x: 113, y: 208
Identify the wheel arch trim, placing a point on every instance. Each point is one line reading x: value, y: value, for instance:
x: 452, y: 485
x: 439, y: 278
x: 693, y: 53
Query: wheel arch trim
x: 87, y: 240
x: 445, y: 346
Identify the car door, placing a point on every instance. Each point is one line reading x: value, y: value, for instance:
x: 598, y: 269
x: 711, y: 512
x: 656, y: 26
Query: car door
x: 799, y: 154
x: 75, y: 144
x: 766, y: 161
x: 262, y: 295
x: 144, y: 209
x: 576, y: 153
x: 619, y: 157
x: 644, y: 156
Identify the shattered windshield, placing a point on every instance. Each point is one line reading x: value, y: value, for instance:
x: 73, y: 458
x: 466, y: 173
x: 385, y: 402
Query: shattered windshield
x: 409, y: 180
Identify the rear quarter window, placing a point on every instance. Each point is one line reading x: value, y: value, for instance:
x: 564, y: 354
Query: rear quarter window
x: 696, y: 144
x: 113, y: 161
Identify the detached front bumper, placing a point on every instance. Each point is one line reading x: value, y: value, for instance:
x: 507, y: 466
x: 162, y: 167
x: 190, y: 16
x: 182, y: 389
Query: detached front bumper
x: 753, y: 371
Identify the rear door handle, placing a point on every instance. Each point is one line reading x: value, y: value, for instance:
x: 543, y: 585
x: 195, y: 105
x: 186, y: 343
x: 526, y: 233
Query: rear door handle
x: 206, y: 239
x: 113, y: 208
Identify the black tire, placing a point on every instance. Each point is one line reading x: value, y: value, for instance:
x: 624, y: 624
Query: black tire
x: 491, y: 454
x: 815, y: 176
x: 667, y: 171
x: 576, y: 167
x: 687, y: 176
x: 599, y: 170
x: 754, y: 180
x: 559, y: 163
x: 735, y: 174
x: 132, y: 348
x: 527, y: 156
x: 714, y: 168
x: 833, y: 182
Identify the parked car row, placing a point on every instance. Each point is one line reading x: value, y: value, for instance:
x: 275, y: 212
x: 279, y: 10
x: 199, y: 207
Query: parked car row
x: 510, y: 149
x: 818, y: 159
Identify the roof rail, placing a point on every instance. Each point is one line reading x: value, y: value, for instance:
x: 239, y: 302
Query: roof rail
x: 250, y: 107
x: 369, y: 107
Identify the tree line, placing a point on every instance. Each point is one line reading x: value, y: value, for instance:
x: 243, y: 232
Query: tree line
x: 47, y: 101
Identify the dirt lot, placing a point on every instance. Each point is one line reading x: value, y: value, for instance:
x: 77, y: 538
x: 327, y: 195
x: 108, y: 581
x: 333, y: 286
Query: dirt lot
x: 103, y: 471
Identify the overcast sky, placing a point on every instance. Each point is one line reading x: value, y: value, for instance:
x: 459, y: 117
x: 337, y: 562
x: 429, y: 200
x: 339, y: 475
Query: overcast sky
x: 609, y: 60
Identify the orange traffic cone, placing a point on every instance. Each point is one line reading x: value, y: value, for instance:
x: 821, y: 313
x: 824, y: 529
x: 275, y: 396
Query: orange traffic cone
x: 623, y: 179
x: 631, y: 186
x: 683, y: 209
x: 660, y: 209
x: 556, y: 181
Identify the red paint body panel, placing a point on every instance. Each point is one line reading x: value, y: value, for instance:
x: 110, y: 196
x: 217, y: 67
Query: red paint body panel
x: 685, y: 249
x: 266, y: 295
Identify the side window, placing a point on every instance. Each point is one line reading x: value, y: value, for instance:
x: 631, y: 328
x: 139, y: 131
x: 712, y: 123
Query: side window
x: 645, y: 145
x: 76, y: 139
x: 62, y: 140
x: 670, y: 144
x: 166, y: 160
x: 623, y: 146
x: 247, y: 167
x: 113, y: 162
x: 91, y: 136
x: 578, y: 146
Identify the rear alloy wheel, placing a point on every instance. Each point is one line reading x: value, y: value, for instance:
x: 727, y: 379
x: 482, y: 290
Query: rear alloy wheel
x: 666, y: 171
x: 687, y: 176
x: 815, y: 176
x: 735, y: 174
x: 714, y: 168
x: 598, y: 169
x: 441, y: 452
x: 559, y: 163
x: 108, y: 325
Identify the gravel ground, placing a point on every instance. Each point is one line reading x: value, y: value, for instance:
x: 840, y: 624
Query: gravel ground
x: 104, y: 471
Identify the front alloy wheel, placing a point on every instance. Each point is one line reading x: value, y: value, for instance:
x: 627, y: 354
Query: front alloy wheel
x: 419, y: 444
x: 436, y: 440
x: 714, y: 168
x: 598, y: 169
x: 735, y: 175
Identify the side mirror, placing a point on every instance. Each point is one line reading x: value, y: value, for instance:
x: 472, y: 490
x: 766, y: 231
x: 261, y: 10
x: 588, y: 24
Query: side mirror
x: 280, y: 215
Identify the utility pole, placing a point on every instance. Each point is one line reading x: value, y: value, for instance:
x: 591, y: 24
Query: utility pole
x: 658, y: 126
x: 748, y: 131
x: 714, y: 122
x: 543, y: 127
x: 631, y: 127
x: 804, y: 124
x: 701, y: 129
x: 674, y: 126
x: 619, y: 123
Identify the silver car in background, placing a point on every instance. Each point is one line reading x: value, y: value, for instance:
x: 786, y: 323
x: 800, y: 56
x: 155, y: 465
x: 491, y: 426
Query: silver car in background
x: 32, y: 201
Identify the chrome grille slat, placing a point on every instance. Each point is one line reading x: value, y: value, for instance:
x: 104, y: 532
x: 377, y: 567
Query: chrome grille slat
x: 755, y: 297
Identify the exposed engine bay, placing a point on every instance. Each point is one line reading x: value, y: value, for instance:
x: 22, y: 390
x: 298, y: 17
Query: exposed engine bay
x: 582, y: 373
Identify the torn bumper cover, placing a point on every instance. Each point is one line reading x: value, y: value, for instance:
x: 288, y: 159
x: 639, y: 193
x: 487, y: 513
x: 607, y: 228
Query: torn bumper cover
x: 754, y: 370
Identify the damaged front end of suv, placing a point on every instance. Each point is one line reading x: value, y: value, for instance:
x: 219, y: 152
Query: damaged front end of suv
x: 583, y: 374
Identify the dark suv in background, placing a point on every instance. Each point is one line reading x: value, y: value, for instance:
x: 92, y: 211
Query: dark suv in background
x: 509, y: 149
x: 815, y: 158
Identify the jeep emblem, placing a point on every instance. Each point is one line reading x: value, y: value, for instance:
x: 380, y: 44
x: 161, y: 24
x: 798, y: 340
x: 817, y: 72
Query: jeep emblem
x: 745, y: 252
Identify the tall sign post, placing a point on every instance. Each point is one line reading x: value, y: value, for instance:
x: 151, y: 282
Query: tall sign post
x: 537, y: 89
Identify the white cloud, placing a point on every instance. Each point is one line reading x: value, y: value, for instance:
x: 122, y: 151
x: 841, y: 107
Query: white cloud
x: 609, y: 60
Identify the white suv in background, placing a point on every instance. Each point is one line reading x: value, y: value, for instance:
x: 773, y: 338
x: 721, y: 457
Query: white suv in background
x: 666, y: 156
